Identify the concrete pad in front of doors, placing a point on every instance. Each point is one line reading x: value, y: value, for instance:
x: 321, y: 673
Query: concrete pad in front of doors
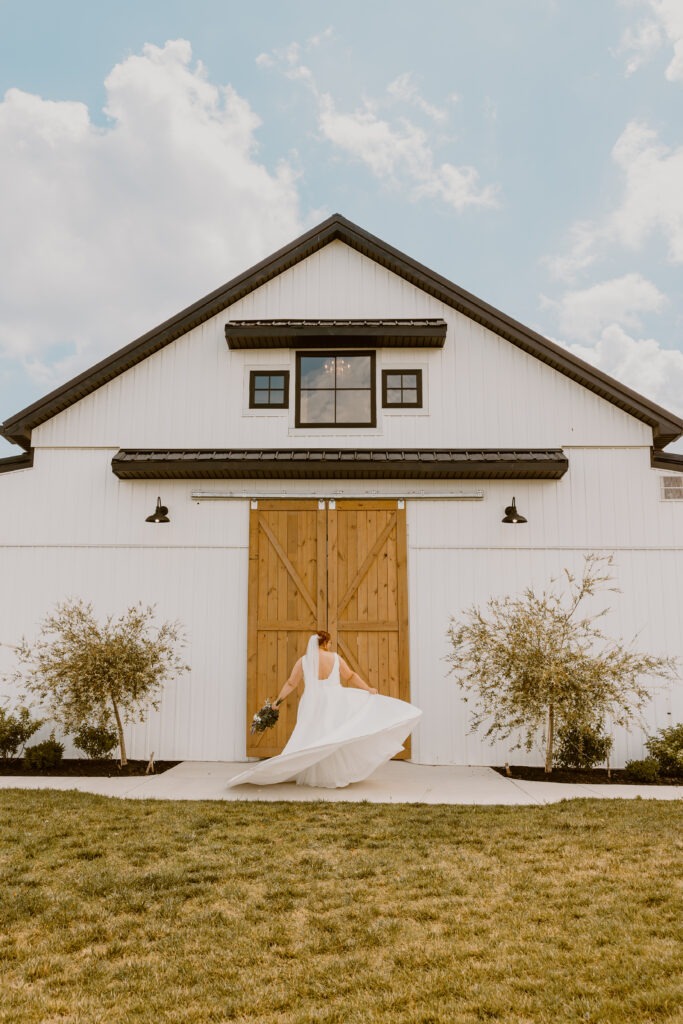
x: 395, y: 782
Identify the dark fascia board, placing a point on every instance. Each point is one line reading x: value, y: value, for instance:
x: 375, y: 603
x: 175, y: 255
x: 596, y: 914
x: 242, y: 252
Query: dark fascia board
x: 666, y: 426
x: 13, y: 462
x: 261, y: 334
x: 336, y: 464
x: 666, y: 460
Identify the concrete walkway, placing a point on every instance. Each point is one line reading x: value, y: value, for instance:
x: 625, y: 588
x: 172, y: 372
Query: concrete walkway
x: 396, y: 782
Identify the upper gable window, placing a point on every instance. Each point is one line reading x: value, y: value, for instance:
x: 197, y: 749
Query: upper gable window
x: 402, y: 389
x: 335, y: 389
x: 672, y: 488
x: 268, y: 390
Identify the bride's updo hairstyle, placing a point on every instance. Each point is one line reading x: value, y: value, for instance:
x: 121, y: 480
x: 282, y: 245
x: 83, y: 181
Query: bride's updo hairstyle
x: 323, y: 637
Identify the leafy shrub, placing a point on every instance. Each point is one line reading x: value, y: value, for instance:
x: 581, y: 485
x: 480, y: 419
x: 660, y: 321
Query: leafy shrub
x: 43, y: 756
x: 581, y: 746
x: 16, y: 730
x: 96, y: 740
x: 645, y: 770
x: 667, y: 749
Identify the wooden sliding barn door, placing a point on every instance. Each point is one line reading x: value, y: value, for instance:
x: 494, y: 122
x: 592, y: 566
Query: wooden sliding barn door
x: 339, y: 566
x: 287, y: 602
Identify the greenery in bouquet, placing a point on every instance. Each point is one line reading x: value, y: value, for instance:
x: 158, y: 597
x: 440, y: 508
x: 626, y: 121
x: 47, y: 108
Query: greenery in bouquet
x: 266, y: 718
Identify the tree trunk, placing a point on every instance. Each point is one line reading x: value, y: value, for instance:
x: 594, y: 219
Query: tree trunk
x: 550, y: 739
x: 119, y: 726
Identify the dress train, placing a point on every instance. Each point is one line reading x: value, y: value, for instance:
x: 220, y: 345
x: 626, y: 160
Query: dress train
x: 341, y: 736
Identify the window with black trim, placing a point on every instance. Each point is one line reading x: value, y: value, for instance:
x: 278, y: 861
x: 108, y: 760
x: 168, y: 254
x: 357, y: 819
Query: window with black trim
x: 401, y: 389
x: 269, y: 390
x: 335, y: 389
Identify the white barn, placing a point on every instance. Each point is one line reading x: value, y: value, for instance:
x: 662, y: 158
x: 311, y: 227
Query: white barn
x: 337, y: 434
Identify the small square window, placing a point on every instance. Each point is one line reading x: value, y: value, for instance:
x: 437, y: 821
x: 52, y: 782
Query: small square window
x: 269, y: 390
x: 402, y: 389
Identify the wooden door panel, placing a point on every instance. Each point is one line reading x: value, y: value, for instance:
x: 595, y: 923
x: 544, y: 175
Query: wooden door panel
x: 370, y: 609
x: 286, y: 587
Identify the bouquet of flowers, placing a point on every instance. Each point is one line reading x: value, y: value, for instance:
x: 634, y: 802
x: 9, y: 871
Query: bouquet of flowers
x: 266, y: 718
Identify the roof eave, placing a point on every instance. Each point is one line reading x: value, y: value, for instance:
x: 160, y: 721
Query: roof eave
x: 11, y: 463
x: 671, y: 461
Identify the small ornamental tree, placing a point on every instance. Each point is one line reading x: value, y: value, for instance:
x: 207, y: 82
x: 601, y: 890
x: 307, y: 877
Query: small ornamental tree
x: 537, y: 662
x: 101, y: 675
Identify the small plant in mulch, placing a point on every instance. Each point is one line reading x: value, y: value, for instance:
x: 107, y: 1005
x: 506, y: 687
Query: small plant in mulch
x: 581, y: 746
x: 16, y: 729
x: 644, y: 770
x: 667, y: 750
x: 96, y: 741
x: 44, y: 756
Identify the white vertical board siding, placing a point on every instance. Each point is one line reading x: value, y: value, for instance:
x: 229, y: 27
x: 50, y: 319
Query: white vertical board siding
x: 483, y: 391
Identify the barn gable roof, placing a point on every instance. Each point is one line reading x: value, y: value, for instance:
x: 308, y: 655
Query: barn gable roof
x: 665, y: 425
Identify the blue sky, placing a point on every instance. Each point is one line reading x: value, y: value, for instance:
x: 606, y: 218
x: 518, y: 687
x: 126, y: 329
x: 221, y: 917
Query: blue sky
x: 530, y: 151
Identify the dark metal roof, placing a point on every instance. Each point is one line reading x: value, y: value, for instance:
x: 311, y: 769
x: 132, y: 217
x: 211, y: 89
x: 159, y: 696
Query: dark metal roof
x: 666, y: 426
x: 341, y: 464
x: 12, y: 462
x: 666, y: 460
x: 248, y: 334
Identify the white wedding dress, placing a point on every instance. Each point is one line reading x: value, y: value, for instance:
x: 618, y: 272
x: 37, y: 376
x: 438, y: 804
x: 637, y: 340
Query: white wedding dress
x: 342, y: 734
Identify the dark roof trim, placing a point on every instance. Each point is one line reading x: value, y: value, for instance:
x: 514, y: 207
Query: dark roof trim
x: 666, y: 426
x: 250, y: 334
x: 12, y: 462
x: 340, y: 464
x: 666, y: 460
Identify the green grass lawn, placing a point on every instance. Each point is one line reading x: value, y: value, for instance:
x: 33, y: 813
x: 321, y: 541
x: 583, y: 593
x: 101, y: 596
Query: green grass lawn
x: 132, y: 912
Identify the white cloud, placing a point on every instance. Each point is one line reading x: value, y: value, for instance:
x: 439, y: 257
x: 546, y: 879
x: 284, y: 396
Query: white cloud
x: 397, y: 151
x: 400, y: 154
x: 639, y: 44
x: 109, y: 230
x: 651, y: 202
x: 582, y: 252
x: 404, y: 88
x: 642, y: 41
x: 599, y: 325
x: 641, y: 364
x: 584, y: 313
x: 653, y: 197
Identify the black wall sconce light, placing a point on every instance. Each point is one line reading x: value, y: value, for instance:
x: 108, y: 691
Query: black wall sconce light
x: 512, y: 515
x: 160, y: 514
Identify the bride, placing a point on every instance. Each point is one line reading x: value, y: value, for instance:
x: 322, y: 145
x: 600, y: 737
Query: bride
x: 342, y: 734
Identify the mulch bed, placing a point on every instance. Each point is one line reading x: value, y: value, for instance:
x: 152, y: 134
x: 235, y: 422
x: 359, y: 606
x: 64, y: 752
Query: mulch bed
x: 107, y: 769
x: 592, y: 776
x: 111, y: 769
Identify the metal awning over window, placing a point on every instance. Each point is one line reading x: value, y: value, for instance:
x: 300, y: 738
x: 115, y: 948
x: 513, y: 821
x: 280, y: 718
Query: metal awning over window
x: 251, y: 334
x: 341, y: 464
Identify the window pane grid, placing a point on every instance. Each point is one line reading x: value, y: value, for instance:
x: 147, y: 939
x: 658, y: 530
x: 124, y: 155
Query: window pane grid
x: 402, y: 389
x: 336, y: 389
x: 268, y: 390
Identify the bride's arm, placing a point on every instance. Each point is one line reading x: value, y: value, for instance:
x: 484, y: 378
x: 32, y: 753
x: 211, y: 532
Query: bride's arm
x: 295, y: 678
x: 349, y: 676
